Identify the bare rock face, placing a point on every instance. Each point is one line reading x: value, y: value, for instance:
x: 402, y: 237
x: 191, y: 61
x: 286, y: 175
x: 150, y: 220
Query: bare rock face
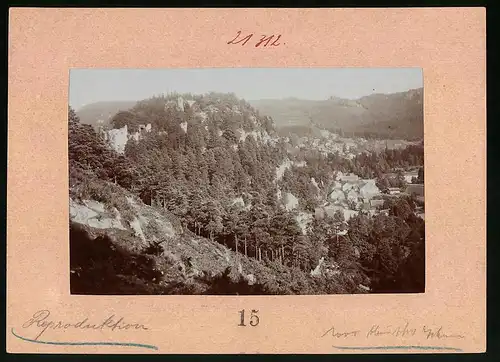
x: 238, y: 201
x: 303, y: 220
x: 118, y: 138
x: 315, y: 184
x: 184, y: 126
x: 146, y: 215
x: 93, y: 214
x: 291, y: 202
x: 180, y: 103
x: 364, y: 287
x: 324, y: 268
x: 280, y: 170
x: 317, y: 270
x: 136, y: 226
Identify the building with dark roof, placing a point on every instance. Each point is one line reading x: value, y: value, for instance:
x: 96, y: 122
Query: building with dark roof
x: 415, y: 190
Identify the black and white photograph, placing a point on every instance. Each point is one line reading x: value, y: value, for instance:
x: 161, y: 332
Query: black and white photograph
x: 246, y: 181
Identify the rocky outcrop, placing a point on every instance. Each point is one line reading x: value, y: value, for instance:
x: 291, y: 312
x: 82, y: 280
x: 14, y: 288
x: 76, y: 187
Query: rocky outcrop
x: 290, y: 201
x: 325, y: 268
x: 184, y: 126
x: 180, y: 104
x: 303, y: 220
x: 117, y: 138
x: 317, y: 271
x: 238, y: 201
x: 315, y: 184
x: 280, y: 170
x: 136, y: 226
x: 364, y: 287
x: 92, y: 213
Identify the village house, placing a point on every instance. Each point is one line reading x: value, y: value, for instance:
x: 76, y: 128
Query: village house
x: 415, y: 190
x: 336, y: 195
x: 330, y: 210
x: 352, y: 195
x: 146, y: 128
x: 369, y: 189
x: 394, y: 144
x: 319, y: 213
x: 348, y: 186
x: 337, y: 185
x: 376, y: 203
x: 394, y: 190
x: 409, y: 175
x: 349, y: 178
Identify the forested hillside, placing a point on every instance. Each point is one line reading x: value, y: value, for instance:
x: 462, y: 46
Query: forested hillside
x: 397, y: 115
x: 217, y: 168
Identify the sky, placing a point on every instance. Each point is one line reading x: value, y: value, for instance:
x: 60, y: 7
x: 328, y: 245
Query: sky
x: 95, y: 85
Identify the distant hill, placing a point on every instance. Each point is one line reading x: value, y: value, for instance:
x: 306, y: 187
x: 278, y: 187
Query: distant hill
x: 102, y: 112
x: 397, y: 115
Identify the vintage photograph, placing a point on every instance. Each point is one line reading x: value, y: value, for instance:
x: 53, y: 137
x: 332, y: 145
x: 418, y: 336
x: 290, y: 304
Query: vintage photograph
x: 246, y: 181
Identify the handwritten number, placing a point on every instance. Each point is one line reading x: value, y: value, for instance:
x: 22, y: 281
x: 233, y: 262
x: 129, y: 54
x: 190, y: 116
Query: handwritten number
x: 275, y: 42
x: 264, y: 40
x: 232, y: 41
x: 267, y: 40
x: 254, y: 318
x: 244, y: 40
x: 247, y: 39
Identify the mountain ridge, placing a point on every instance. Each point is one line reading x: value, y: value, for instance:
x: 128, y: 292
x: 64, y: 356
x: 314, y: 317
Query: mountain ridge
x: 390, y: 115
x: 394, y: 115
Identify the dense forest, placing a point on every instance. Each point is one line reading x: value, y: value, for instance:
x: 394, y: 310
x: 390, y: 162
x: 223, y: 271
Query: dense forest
x: 224, y: 187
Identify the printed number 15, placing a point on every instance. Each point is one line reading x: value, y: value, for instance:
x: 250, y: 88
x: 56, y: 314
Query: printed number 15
x: 254, y: 318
